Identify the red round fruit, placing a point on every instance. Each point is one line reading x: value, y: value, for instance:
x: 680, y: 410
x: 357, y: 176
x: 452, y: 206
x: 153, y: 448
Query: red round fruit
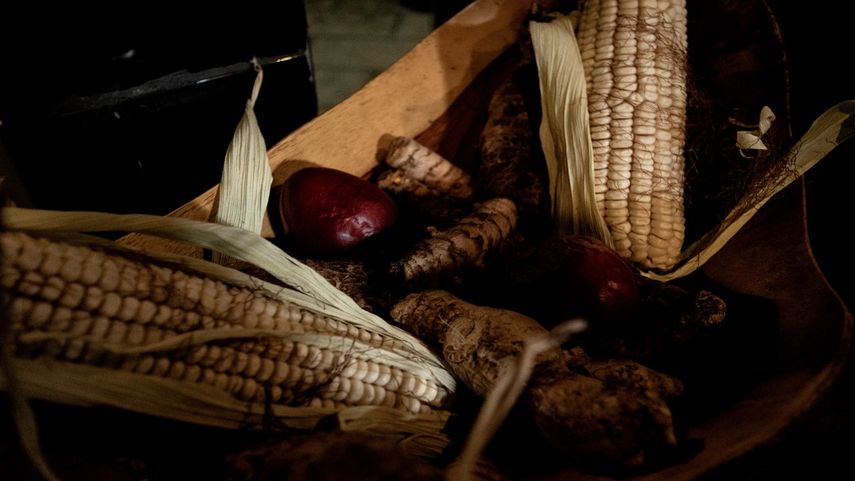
x: 329, y: 211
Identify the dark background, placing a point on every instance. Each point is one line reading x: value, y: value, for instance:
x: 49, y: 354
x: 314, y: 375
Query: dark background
x: 131, y: 109
x: 820, y: 45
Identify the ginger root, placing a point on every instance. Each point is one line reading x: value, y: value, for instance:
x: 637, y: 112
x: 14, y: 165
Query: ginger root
x: 425, y: 185
x: 428, y: 168
x: 596, y: 421
x: 465, y: 244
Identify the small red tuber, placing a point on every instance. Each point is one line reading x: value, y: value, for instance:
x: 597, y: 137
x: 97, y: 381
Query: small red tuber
x: 575, y: 275
x: 329, y: 211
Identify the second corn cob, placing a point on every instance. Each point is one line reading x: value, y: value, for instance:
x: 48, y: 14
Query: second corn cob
x: 634, y: 57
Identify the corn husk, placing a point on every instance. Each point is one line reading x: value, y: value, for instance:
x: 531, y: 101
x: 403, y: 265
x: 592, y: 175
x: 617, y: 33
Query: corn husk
x: 22, y: 413
x: 67, y: 382
x: 245, y: 184
x: 309, y: 289
x: 565, y: 129
x: 241, y: 204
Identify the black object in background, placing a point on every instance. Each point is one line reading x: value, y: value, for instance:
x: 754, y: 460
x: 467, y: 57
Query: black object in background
x: 443, y: 10
x: 132, y: 111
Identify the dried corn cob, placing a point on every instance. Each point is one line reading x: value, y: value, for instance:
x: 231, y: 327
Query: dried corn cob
x: 79, y: 305
x: 634, y: 57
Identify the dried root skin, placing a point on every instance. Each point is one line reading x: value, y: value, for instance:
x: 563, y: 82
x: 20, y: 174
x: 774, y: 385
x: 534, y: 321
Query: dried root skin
x: 397, y: 182
x: 420, y: 199
x: 601, y: 424
x: 509, y: 165
x: 465, y: 244
x: 351, y: 277
x: 430, y: 169
x: 670, y: 321
x: 480, y: 343
x: 618, y: 420
x: 625, y: 374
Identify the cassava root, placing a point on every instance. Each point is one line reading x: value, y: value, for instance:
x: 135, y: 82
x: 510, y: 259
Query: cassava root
x: 593, y: 420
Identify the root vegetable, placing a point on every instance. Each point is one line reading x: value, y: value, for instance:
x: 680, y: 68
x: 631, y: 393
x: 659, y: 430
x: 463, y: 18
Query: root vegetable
x: 426, y: 186
x: 478, y: 342
x: 572, y: 276
x: 631, y: 375
x: 330, y: 211
x: 510, y: 165
x: 465, y: 244
x: 594, y: 421
x: 599, y: 424
x: 420, y: 202
x: 428, y: 168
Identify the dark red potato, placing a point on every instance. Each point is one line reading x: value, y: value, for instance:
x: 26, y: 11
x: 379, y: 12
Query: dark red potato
x: 604, y: 278
x: 574, y: 275
x: 328, y: 211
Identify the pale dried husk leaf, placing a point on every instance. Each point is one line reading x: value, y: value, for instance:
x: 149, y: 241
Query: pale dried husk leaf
x: 565, y: 129
x: 84, y: 385
x: 245, y: 184
x: 237, y: 243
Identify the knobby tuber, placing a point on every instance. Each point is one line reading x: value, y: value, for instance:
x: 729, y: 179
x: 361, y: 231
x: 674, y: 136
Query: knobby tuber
x: 352, y: 277
x: 594, y: 421
x: 625, y: 373
x: 511, y: 164
x: 465, y: 244
x: 669, y: 323
x: 425, y: 185
x: 419, y: 203
x: 432, y: 170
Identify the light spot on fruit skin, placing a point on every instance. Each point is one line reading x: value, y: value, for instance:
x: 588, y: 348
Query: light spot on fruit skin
x: 330, y: 211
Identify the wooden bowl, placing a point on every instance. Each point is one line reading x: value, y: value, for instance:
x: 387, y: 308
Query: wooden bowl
x: 436, y: 93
